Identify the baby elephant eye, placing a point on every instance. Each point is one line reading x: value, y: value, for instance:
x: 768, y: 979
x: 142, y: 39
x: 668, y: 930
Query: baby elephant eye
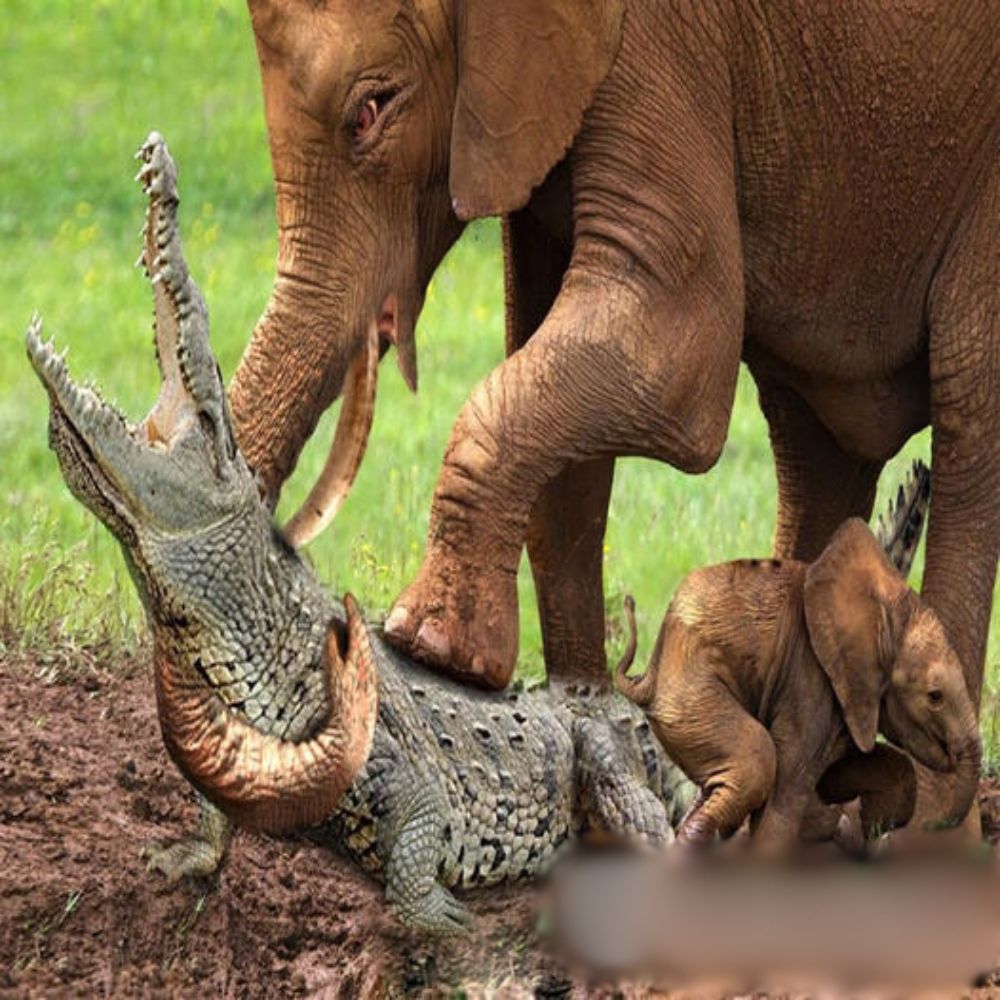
x: 935, y: 696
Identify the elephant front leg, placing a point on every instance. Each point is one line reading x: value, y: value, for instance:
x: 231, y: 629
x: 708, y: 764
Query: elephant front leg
x: 885, y: 782
x: 566, y: 548
x: 605, y: 376
x: 566, y: 530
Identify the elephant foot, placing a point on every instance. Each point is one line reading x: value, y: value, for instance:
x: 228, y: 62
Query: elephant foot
x: 698, y: 830
x: 459, y: 620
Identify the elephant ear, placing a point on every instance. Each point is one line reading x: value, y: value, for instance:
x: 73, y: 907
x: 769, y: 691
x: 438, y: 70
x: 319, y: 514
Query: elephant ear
x: 528, y: 70
x: 849, y: 595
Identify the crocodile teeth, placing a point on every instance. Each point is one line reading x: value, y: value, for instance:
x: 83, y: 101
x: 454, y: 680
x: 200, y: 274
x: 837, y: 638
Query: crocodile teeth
x: 156, y: 174
x: 82, y: 404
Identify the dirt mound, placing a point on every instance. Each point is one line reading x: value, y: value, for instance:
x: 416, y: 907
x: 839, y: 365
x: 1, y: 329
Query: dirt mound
x: 85, y: 783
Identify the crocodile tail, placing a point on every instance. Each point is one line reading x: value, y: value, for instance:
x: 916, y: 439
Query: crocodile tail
x: 899, y: 530
x: 639, y: 690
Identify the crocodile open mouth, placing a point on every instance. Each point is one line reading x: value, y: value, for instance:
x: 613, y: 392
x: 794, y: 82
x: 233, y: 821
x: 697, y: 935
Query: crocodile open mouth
x: 81, y: 424
x: 97, y: 447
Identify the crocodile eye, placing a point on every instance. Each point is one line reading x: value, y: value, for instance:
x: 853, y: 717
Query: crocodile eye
x: 366, y: 117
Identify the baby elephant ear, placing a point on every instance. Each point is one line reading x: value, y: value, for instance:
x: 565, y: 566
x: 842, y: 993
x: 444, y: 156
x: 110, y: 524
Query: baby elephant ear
x: 849, y: 593
x: 528, y: 70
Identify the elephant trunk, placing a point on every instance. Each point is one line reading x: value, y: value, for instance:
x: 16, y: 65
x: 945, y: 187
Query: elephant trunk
x: 639, y: 690
x: 968, y: 760
x: 281, y: 386
x: 264, y: 782
x: 291, y: 371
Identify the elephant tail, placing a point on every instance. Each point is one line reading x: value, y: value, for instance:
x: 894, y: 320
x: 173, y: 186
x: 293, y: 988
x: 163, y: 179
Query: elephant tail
x: 638, y: 690
x: 899, y: 531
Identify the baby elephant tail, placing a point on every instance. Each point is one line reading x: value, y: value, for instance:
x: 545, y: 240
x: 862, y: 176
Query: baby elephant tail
x: 638, y: 690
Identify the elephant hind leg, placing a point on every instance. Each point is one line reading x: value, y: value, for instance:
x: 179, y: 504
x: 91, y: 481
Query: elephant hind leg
x: 732, y: 760
x: 963, y: 529
x: 819, y: 484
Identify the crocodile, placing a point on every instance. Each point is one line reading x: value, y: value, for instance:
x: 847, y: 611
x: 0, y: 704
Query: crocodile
x: 282, y: 705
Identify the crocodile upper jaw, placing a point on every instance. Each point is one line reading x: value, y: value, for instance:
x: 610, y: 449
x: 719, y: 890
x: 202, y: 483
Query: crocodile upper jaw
x: 178, y: 469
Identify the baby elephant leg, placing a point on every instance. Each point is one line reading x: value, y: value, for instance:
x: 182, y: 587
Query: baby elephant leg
x: 884, y: 780
x: 731, y: 757
x: 410, y: 843
x: 614, y: 797
x: 790, y: 814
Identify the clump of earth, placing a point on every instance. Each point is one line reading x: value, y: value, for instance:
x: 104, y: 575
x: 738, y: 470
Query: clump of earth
x: 85, y: 783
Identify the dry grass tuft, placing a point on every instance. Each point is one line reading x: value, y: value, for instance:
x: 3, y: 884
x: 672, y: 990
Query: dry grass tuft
x: 53, y: 617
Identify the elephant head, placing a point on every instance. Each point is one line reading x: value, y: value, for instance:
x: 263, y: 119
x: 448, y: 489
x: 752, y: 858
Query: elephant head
x: 391, y: 123
x: 890, y: 664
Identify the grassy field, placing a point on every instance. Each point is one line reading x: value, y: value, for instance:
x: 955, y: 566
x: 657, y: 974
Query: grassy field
x: 80, y: 86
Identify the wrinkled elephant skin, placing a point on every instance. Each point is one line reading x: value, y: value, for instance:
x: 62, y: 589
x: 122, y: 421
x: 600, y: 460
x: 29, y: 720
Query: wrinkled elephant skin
x: 812, y: 189
x: 770, y: 681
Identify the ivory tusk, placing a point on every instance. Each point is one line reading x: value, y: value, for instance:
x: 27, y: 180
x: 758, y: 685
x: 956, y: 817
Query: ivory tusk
x: 348, y: 449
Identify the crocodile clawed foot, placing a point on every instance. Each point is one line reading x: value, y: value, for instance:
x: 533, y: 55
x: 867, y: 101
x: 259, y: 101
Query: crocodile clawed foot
x: 197, y: 855
x: 192, y: 857
x: 438, y: 912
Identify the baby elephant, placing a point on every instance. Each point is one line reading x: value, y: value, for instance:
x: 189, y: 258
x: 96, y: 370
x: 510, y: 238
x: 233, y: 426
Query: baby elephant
x: 770, y: 681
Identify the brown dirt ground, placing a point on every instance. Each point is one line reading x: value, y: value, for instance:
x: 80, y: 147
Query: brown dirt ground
x: 85, y: 783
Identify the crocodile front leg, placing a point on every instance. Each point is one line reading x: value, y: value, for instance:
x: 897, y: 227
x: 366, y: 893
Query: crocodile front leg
x: 612, y: 795
x: 197, y: 855
x: 411, y: 843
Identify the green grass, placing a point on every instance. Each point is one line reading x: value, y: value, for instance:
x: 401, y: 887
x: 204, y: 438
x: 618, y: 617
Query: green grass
x: 80, y: 86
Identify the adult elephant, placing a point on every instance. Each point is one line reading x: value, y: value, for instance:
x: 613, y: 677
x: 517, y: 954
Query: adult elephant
x: 812, y: 187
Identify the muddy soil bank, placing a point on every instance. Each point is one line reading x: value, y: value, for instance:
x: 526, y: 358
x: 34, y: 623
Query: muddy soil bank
x: 85, y: 783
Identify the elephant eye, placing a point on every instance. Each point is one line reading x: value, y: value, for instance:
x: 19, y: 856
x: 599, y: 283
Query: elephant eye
x: 365, y: 118
x: 935, y: 696
x: 368, y: 113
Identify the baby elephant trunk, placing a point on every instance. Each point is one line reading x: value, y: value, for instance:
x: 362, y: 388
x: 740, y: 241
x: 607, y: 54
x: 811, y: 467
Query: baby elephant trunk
x: 639, y: 690
x: 967, y: 770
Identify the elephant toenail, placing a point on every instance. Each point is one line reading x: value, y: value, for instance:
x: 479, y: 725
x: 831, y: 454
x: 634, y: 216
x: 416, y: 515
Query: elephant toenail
x: 433, y: 643
x: 397, y: 625
x: 478, y: 665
